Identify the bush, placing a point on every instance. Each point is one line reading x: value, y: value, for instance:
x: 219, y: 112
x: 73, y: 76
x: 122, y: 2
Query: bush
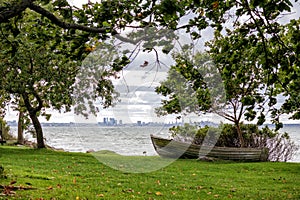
x: 5, y: 130
x: 184, y: 133
x: 280, y: 146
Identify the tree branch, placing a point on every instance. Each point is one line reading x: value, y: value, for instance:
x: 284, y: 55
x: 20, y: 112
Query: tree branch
x: 240, y: 113
x: 7, y: 13
x: 127, y: 40
x: 65, y: 25
x: 225, y: 115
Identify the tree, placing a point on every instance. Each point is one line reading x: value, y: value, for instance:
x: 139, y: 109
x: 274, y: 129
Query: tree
x: 253, y: 69
x: 40, y: 62
x: 273, y: 55
x: 238, y: 62
x: 201, y: 84
x: 34, y: 71
x: 256, y: 58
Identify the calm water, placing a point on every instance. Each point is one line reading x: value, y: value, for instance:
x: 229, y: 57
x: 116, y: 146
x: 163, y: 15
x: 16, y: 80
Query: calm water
x: 123, y: 140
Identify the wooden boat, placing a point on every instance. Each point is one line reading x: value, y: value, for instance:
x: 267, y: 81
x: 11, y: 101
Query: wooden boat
x: 174, y: 149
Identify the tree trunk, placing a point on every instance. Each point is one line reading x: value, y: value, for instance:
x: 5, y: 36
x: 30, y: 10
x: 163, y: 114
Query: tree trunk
x: 20, y: 128
x: 240, y: 134
x: 34, y: 119
x: 39, y: 131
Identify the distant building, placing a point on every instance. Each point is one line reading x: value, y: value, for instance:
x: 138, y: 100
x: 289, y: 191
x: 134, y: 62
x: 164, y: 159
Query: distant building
x: 12, y: 123
x: 112, y: 122
x: 105, y: 120
x: 139, y: 123
x: 109, y: 121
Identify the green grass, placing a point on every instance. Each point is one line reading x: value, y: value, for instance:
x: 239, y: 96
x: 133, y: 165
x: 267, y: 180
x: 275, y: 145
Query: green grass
x: 61, y: 175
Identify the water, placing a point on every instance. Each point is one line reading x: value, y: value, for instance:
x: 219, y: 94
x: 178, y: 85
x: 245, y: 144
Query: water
x: 122, y: 140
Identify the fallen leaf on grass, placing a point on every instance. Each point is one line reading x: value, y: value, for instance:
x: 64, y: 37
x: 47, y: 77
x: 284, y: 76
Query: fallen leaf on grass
x: 100, y: 195
x: 50, y: 188
x: 58, y: 186
x: 128, y: 190
x: 12, y: 182
x: 199, y: 187
x: 158, y: 193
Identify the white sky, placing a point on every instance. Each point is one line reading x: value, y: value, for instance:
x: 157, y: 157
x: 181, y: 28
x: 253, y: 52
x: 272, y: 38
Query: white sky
x: 78, y: 3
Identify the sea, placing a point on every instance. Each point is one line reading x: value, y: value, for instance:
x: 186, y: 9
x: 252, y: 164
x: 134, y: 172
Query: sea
x: 124, y: 140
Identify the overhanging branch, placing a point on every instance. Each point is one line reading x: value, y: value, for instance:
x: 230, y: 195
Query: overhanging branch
x: 8, y: 12
x: 63, y: 24
x: 14, y: 10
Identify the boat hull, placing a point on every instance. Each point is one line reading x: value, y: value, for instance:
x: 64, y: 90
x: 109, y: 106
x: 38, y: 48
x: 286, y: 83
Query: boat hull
x: 174, y: 149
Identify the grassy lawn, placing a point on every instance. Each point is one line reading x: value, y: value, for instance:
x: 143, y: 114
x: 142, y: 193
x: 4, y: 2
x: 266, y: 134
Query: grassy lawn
x: 61, y: 175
